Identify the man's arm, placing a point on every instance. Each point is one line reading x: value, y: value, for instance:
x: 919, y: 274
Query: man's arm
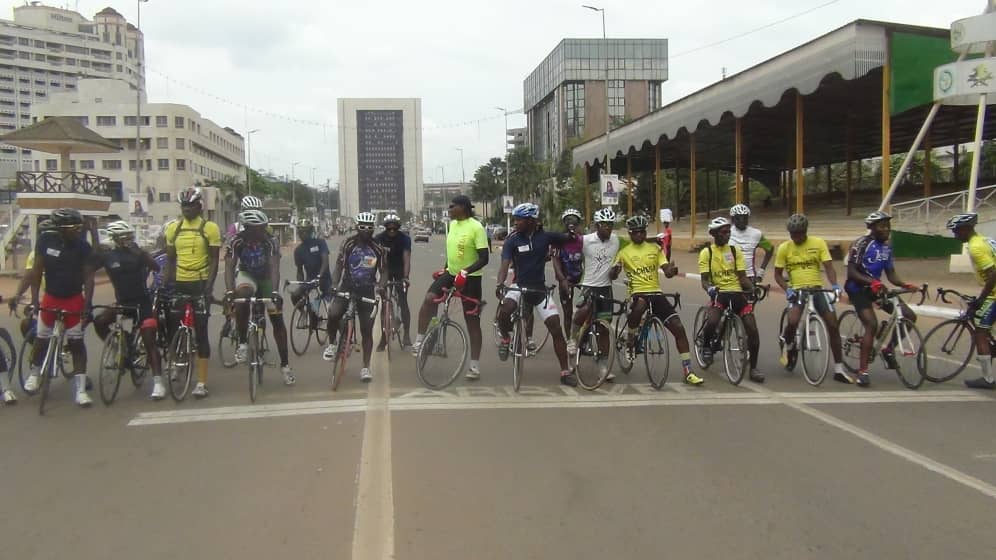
x: 987, y: 289
x: 705, y: 279
x: 503, y: 272
x: 745, y: 283
x: 407, y: 259
x: 831, y: 273
x: 230, y: 263
x: 482, y: 261
x: 213, y: 253
x: 89, y: 271
x: 170, y: 275
x: 893, y: 277
x: 780, y: 278
x: 769, y: 252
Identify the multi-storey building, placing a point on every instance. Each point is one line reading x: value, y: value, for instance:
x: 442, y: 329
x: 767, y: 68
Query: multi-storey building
x: 565, y: 96
x: 46, y: 50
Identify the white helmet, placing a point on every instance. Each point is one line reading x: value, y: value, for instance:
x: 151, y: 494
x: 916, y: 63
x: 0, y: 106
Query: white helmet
x: 191, y: 195
x: 392, y: 218
x: 571, y: 212
x: 718, y: 223
x: 606, y: 214
x: 120, y: 228
x: 251, y: 203
x: 740, y: 210
x: 253, y: 217
x: 366, y: 218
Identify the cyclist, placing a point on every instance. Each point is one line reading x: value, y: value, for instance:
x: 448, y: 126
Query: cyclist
x: 252, y: 269
x: 359, y: 270
x: 311, y: 262
x: 983, y: 308
x: 802, y: 257
x: 466, y: 257
x: 567, y: 264
x: 192, y: 247
x: 128, y: 267
x: 529, y: 247
x: 749, y: 239
x: 599, y: 250
x: 399, y: 263
x: 869, y: 257
x: 60, y: 259
x: 723, y: 270
x: 641, y: 261
x: 248, y: 203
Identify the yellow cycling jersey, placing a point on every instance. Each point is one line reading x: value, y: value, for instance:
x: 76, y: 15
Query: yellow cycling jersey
x: 725, y: 263
x: 803, y: 261
x: 983, y: 258
x: 641, y: 263
x: 192, y: 248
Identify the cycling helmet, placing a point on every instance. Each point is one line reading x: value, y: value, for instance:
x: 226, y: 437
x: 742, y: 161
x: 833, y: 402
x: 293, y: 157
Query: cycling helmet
x: 605, y: 215
x: 47, y: 225
x: 637, y: 222
x: 191, y: 195
x: 305, y: 223
x: 797, y: 222
x: 963, y: 220
x: 251, y: 202
x: 366, y: 218
x: 718, y: 223
x: 120, y: 228
x: 526, y: 210
x: 67, y: 217
x: 570, y: 212
x: 740, y: 210
x: 392, y: 219
x: 876, y: 217
x: 253, y: 217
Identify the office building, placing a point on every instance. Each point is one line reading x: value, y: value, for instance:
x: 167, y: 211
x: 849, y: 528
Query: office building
x: 380, y: 155
x: 565, y: 96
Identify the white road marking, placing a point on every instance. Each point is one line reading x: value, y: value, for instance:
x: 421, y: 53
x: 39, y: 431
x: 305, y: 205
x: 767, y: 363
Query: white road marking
x: 885, y: 445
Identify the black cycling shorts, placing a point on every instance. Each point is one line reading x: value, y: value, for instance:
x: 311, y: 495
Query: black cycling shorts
x: 661, y: 307
x: 471, y: 289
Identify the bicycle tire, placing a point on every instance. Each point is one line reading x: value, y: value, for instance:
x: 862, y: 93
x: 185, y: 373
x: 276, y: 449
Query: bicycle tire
x: 321, y: 327
x: 542, y: 343
x: 437, y: 343
x: 496, y: 330
x: 943, y: 347
x: 8, y: 353
x: 699, y: 341
x: 49, y: 363
x: 852, y: 330
x: 656, y: 351
x: 300, y: 331
x: 24, y: 363
x: 736, y: 354
x: 228, y: 343
x: 342, y: 355
x: 255, y: 364
x: 180, y: 363
x: 518, y: 350
x: 137, y: 359
x: 387, y: 326
x: 909, y: 364
x: 622, y: 357
x: 586, y: 364
x: 814, y: 350
x: 111, y: 367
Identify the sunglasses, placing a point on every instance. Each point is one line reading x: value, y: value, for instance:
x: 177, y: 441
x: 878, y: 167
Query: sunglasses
x: 392, y: 228
x: 365, y: 228
x: 636, y: 231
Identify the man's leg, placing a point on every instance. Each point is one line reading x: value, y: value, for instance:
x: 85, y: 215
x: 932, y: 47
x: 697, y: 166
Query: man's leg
x: 789, y: 351
x: 406, y: 315
x: 870, y: 323
x: 366, y: 333
x: 102, y: 323
x: 567, y: 308
x: 336, y: 311
x: 984, y: 322
x: 753, y: 345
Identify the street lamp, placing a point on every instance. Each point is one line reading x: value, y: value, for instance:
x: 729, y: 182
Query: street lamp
x: 293, y: 190
x: 442, y: 172
x: 139, y: 56
x: 608, y: 126
x: 508, y: 217
x: 249, y: 158
x: 463, y: 172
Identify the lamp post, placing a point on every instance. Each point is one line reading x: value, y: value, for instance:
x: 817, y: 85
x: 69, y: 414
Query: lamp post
x: 508, y: 217
x: 139, y: 56
x: 249, y: 159
x: 293, y: 190
x: 442, y: 172
x: 608, y: 125
x: 463, y: 172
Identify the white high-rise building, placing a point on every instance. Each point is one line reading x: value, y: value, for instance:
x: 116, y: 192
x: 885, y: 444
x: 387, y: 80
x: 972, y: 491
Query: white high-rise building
x: 46, y: 50
x: 380, y: 155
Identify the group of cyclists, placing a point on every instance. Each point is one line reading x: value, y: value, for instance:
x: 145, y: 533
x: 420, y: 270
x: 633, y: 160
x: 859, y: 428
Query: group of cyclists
x: 61, y: 278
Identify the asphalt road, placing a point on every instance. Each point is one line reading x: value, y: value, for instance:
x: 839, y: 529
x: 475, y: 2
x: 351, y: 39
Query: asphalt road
x: 780, y: 470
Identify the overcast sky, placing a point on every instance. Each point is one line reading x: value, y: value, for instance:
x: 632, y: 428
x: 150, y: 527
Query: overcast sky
x: 461, y: 57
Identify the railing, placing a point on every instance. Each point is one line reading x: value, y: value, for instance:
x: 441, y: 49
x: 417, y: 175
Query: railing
x: 928, y: 215
x: 61, y: 182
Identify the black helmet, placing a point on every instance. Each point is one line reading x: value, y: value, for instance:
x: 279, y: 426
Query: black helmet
x: 66, y: 217
x: 797, y: 222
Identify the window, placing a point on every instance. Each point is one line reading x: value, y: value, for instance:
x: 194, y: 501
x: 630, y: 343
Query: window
x: 177, y: 122
x: 164, y: 197
x: 86, y: 164
x: 131, y: 165
x: 131, y: 121
x: 51, y: 165
x: 107, y: 121
x: 162, y: 122
x: 163, y: 164
x: 111, y: 164
x: 180, y: 144
x: 181, y: 165
x: 162, y: 143
x: 575, y: 109
x: 617, y: 101
x: 654, y: 95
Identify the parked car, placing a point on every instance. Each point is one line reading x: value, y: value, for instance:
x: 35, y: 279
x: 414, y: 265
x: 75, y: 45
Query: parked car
x: 421, y: 234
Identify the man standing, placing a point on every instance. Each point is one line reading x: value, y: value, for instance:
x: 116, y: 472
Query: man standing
x: 399, y: 263
x: 749, y: 239
x: 983, y: 309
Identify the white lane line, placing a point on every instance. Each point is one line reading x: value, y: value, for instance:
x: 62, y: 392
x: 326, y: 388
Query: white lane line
x: 247, y: 412
x: 946, y: 471
x: 373, y: 529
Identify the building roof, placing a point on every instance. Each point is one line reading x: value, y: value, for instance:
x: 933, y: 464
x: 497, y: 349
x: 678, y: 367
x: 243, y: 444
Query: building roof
x: 60, y: 134
x: 109, y: 11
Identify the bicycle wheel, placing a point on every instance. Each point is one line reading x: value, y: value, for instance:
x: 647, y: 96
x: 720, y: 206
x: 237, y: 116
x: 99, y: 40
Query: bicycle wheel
x: 50, y: 367
x: 387, y: 325
x: 255, y: 364
x: 699, y: 341
x: 852, y: 330
x: 589, y: 359
x: 180, y: 363
x: 622, y: 356
x: 947, y: 349
x: 496, y: 330
x: 815, y: 350
x: 736, y: 355
x: 907, y: 351
x: 345, y: 346
x: 321, y: 326
x: 654, y: 340
x: 546, y: 336
x: 228, y: 343
x: 300, y: 331
x: 518, y: 351
x: 111, y: 367
x: 137, y: 359
x: 442, y: 356
x: 8, y: 356
x: 24, y: 362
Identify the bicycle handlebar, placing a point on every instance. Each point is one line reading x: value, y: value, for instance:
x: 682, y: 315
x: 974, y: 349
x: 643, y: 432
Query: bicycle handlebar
x: 310, y: 283
x: 347, y: 295
x: 476, y: 303
x: 117, y: 308
x: 922, y: 290
x: 942, y: 294
x: 811, y: 291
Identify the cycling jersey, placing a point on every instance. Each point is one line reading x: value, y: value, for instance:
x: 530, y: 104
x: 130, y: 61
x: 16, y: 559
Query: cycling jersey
x: 748, y: 240
x: 641, y: 261
x: 983, y: 255
x: 255, y: 256
x: 192, y: 248
x: 803, y: 261
x: 571, y: 255
x: 871, y: 257
x: 722, y: 264
x: 528, y: 252
x: 128, y: 271
x: 464, y: 240
x: 308, y: 255
x: 598, y: 258
x: 359, y: 262
x: 396, y: 247
x: 64, y: 262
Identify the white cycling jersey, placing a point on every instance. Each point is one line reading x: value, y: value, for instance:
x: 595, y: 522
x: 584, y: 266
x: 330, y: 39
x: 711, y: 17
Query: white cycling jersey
x: 598, y: 258
x: 748, y: 240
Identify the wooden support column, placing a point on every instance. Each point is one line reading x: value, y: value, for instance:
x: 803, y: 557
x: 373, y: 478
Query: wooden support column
x: 738, y: 165
x: 849, y: 151
x: 928, y: 178
x: 657, y: 185
x: 886, y: 123
x: 954, y: 170
x: 799, y: 160
x: 629, y: 184
x: 694, y: 182
x: 587, y: 193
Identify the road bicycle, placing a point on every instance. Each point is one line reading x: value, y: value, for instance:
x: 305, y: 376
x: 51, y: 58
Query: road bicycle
x: 651, y: 341
x: 442, y: 356
x: 950, y: 346
x: 812, y: 340
x: 592, y: 365
x: 256, y: 339
x: 345, y: 339
x: 729, y: 336
x: 124, y: 351
x: 309, y: 318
